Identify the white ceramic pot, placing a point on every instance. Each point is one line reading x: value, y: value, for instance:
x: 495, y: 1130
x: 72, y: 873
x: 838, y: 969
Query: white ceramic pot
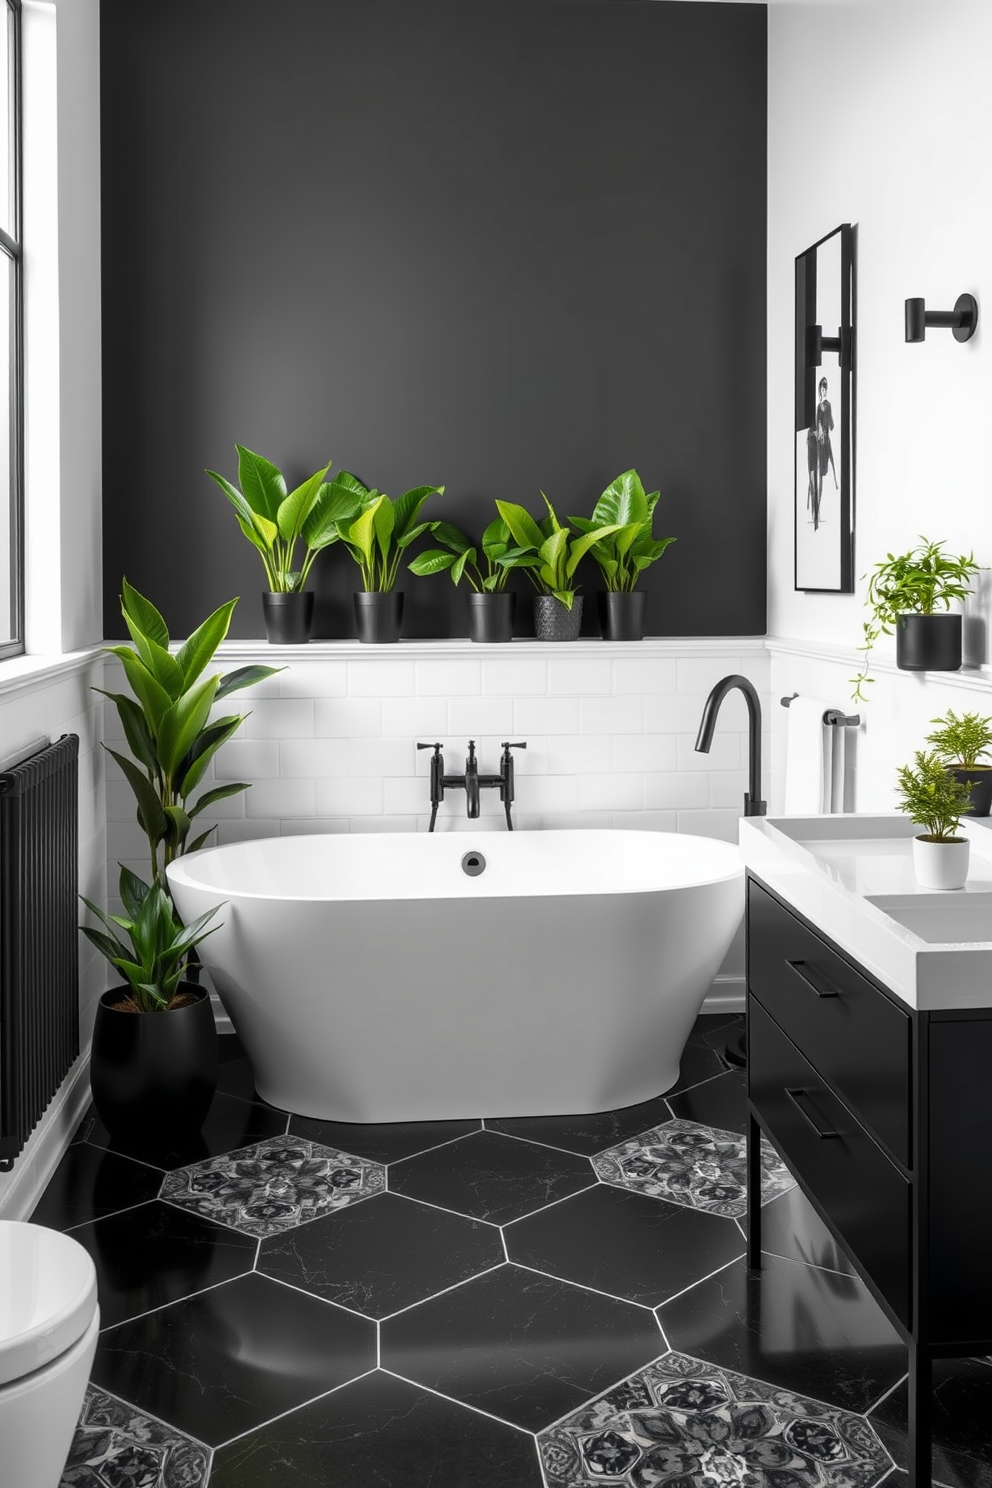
x: 941, y: 865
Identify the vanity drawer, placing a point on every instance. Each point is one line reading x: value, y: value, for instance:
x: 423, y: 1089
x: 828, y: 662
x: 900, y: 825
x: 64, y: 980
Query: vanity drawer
x: 865, y: 1195
x: 850, y: 1031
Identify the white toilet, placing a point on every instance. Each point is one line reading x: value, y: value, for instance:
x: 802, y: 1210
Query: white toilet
x: 49, y: 1320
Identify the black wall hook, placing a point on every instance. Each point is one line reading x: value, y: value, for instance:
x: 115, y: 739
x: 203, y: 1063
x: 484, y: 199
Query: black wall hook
x: 962, y: 320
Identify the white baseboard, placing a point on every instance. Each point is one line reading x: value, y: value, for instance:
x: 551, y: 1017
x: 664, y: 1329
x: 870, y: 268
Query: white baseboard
x: 727, y: 995
x: 23, y: 1186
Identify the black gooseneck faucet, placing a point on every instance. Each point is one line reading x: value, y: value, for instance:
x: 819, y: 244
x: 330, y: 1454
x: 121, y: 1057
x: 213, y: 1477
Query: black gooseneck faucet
x: 736, y: 1049
x: 753, y: 803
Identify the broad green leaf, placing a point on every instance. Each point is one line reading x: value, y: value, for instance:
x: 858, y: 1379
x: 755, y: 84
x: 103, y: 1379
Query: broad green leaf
x: 334, y: 504
x: 112, y: 949
x: 625, y: 539
x: 582, y: 524
x: 459, y: 565
x: 144, y: 614
x: 565, y: 595
x: 244, y: 512
x: 406, y: 508
x: 451, y: 536
x: 177, y: 826
x: 523, y: 528
x: 180, y: 725
x: 652, y: 502
x: 582, y: 544
x: 361, y: 533
x: 431, y: 562
x: 219, y: 793
x: 298, y: 505
x: 262, y: 484
x: 133, y: 890
x: 158, y: 661
x: 136, y: 731
x: 151, y: 695
x: 496, y: 535
x: 622, y: 502
x: 412, y: 533
x: 200, y: 841
x: 203, y: 749
x: 267, y: 531
x: 384, y: 524
x: 244, y: 677
x: 552, y: 516
x: 194, y: 654
x: 349, y: 485
x: 150, y: 811
x: 553, y: 551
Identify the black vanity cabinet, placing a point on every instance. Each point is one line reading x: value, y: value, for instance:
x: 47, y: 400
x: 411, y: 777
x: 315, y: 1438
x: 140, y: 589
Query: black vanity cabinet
x: 884, y: 1116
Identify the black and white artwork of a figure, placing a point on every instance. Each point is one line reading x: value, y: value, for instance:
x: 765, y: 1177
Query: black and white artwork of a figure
x: 824, y: 411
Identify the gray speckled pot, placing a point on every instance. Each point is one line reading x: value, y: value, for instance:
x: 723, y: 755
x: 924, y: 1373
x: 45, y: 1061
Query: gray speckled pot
x: 553, y: 621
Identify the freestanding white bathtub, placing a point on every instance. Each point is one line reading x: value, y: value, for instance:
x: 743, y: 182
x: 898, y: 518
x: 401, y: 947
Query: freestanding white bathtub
x: 375, y: 978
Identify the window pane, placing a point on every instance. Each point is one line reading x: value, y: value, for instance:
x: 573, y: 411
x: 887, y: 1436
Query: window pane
x: 9, y: 555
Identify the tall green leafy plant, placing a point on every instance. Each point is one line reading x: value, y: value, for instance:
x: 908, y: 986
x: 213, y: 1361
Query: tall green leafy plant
x: 376, y: 529
x: 153, y: 957
x: 275, y: 520
x: 932, y: 797
x: 547, y: 550
x: 631, y: 546
x: 169, y: 725
x: 459, y: 556
x: 962, y: 741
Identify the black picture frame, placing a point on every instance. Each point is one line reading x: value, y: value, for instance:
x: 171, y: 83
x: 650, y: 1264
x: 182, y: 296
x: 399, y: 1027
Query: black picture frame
x: 825, y: 415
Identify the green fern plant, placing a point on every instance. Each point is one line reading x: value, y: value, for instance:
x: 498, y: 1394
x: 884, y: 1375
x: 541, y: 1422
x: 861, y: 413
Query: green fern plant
x: 961, y: 742
x: 932, y: 797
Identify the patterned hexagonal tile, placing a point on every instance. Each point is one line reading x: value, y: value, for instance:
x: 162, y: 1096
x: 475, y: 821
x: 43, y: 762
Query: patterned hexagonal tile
x: 697, y: 1166
x: 273, y: 1185
x: 116, y: 1445
x: 681, y: 1422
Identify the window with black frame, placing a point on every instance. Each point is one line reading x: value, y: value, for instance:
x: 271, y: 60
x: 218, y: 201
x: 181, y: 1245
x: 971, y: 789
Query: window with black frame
x: 11, y: 382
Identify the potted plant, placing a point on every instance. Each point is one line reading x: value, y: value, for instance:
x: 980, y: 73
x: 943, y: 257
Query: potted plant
x: 961, y: 743
x: 624, y: 555
x: 490, y: 606
x: 910, y: 594
x: 151, y: 1073
x: 168, y: 723
x: 934, y: 799
x: 274, y: 521
x: 377, y: 530
x: 550, y: 554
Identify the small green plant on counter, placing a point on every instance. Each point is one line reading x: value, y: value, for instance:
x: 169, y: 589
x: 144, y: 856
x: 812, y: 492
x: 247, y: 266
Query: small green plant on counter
x: 275, y: 520
x: 962, y: 742
x: 932, y: 797
x: 168, y: 725
x: 153, y: 961
x: 923, y: 581
x: 547, y: 550
x: 631, y: 547
x: 376, y: 529
x: 459, y: 556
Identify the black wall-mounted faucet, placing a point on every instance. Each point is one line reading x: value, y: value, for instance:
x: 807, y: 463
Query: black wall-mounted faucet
x: 472, y: 782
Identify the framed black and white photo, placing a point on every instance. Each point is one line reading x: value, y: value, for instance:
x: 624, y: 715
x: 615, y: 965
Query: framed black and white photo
x: 824, y: 415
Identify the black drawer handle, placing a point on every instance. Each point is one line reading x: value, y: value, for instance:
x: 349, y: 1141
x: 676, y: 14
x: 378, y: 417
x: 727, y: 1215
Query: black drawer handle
x: 797, y: 1097
x: 812, y: 979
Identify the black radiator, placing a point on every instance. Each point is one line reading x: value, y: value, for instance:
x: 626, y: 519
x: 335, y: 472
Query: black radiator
x: 39, y: 942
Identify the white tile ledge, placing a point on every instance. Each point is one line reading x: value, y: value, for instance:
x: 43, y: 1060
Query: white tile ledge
x: 462, y: 648
x: 24, y: 673
x: 971, y: 678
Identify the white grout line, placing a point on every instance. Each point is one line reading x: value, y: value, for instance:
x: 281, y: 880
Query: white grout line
x: 174, y: 1302
x: 466, y: 1404
x: 283, y: 1414
x: 596, y: 1291
x: 151, y: 1416
x: 536, y: 1142
x: 435, y: 1147
x: 600, y: 1393
x: 553, y: 1203
x: 114, y: 1153
x: 708, y: 1277
x: 316, y: 1297
x: 499, y: 1266
x: 443, y: 1209
x: 111, y: 1214
x: 885, y: 1395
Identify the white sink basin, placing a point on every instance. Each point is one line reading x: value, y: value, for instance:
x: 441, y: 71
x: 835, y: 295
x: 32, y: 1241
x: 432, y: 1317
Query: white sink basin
x: 852, y: 876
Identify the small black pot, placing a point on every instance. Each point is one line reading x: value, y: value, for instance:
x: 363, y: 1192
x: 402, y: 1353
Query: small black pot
x: 153, y: 1073
x: 621, y: 616
x: 928, y: 643
x: 379, y: 617
x: 554, y: 621
x: 980, y: 780
x: 490, y: 618
x: 288, y: 617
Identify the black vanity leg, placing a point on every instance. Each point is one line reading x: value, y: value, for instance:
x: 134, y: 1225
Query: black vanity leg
x: 920, y: 1416
x: 753, y: 1194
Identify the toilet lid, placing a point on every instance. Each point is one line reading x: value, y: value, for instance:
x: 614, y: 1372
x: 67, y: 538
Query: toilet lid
x: 47, y: 1297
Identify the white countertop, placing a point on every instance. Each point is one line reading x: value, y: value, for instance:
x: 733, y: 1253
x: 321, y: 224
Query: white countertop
x: 852, y: 877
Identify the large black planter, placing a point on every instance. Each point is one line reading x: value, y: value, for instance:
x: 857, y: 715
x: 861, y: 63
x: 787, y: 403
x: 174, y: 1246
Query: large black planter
x: 621, y: 616
x: 288, y: 617
x: 153, y: 1074
x: 554, y: 621
x: 490, y: 618
x: 980, y: 780
x: 379, y: 617
x: 928, y: 643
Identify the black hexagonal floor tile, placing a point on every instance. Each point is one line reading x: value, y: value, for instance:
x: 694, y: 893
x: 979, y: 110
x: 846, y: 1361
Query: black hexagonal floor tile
x: 155, y: 1254
x: 230, y: 1123
x: 720, y: 1102
x: 815, y: 1332
x: 380, y: 1430
x: 626, y: 1244
x: 585, y: 1134
x: 385, y: 1142
x: 962, y: 1411
x: 522, y: 1347
x: 383, y: 1255
x: 89, y: 1183
x: 488, y: 1176
x: 234, y: 1357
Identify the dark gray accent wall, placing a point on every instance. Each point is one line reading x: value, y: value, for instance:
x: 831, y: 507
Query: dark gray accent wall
x: 507, y: 245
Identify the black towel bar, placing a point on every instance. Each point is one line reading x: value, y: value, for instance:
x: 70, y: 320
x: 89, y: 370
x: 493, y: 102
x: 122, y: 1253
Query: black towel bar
x: 832, y: 716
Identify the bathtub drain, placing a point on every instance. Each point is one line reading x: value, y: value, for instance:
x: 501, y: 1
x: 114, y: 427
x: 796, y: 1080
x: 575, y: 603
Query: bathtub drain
x: 473, y: 863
